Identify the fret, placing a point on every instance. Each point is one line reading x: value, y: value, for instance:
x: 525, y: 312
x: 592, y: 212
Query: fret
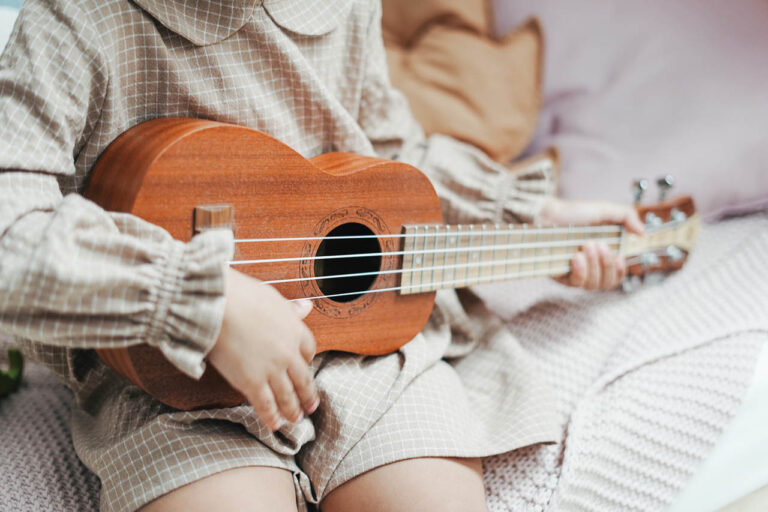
x: 433, y: 270
x: 553, y: 237
x: 544, y: 252
x: 418, y: 261
x: 494, y: 255
x: 482, y: 257
x: 429, y: 256
x: 508, y: 250
x: 525, y: 252
x: 438, y: 262
x: 622, y: 239
x: 450, y: 255
x: 407, y: 277
x: 492, y: 235
x: 461, y: 258
x: 520, y: 252
x: 471, y: 257
x: 470, y: 233
x: 483, y: 253
x: 439, y: 259
x: 422, y: 258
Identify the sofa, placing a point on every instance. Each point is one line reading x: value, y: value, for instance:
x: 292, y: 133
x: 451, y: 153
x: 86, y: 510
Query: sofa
x: 648, y: 383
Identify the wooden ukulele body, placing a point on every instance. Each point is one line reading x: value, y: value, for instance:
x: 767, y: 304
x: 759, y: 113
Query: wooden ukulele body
x: 162, y: 170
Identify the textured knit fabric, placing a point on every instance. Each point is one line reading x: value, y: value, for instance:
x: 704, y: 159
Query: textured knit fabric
x: 645, y: 382
x: 313, y: 74
x: 39, y: 468
x: 629, y: 440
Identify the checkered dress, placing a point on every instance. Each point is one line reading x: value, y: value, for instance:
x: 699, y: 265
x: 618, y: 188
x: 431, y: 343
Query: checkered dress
x: 73, y: 277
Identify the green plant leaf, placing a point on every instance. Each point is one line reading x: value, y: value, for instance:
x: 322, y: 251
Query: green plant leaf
x: 11, y: 379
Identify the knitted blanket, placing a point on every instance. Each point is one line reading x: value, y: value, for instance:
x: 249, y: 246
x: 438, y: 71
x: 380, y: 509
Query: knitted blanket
x: 646, y: 382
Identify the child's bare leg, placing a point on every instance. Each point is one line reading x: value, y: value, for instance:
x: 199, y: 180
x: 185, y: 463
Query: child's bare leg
x: 427, y: 484
x: 251, y: 488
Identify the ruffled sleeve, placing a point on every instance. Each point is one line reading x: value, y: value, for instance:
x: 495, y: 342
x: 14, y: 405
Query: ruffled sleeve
x: 472, y: 187
x: 189, y: 301
x: 73, y: 275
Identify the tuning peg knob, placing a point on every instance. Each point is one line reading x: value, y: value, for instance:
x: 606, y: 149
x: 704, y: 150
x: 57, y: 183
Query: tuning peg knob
x: 665, y: 183
x: 638, y: 189
x: 652, y: 220
x: 649, y: 259
x: 673, y: 253
x: 630, y: 283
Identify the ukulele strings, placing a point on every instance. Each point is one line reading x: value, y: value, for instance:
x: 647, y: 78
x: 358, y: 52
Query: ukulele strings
x: 463, y: 282
x: 441, y: 284
x: 512, y: 230
x: 467, y: 265
x: 531, y: 245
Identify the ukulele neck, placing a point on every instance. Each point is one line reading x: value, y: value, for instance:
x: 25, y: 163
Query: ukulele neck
x: 443, y: 256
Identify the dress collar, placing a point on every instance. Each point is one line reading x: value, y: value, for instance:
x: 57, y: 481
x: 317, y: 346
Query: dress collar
x: 205, y: 22
x: 308, y: 17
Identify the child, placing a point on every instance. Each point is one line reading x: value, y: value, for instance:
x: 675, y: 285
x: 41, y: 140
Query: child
x: 397, y: 432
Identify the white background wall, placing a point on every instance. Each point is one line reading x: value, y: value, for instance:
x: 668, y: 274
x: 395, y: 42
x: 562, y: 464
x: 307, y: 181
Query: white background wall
x: 7, y: 17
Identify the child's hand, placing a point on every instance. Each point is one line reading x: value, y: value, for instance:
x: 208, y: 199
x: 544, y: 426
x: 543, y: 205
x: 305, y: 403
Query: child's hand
x: 595, y: 267
x: 264, y: 350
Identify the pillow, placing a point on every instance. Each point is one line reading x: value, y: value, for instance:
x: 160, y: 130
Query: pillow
x: 640, y: 89
x: 7, y: 19
x: 460, y: 81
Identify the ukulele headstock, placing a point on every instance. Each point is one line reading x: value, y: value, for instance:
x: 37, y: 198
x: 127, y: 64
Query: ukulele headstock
x: 671, y: 231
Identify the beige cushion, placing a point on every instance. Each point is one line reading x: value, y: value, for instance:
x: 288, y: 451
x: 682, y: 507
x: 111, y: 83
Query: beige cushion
x: 459, y: 80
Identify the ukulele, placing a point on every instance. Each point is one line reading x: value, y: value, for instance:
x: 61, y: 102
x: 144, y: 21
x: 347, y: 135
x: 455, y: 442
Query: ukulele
x: 361, y: 237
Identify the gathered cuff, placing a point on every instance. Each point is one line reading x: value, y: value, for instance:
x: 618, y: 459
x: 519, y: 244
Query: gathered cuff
x: 189, y: 301
x: 473, y: 188
x: 532, y: 182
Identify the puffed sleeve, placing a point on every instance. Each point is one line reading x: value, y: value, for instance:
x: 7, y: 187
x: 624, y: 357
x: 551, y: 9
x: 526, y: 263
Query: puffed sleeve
x: 471, y: 186
x: 72, y: 274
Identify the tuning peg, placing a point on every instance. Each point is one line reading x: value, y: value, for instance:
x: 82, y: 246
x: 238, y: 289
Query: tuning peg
x: 630, y: 283
x: 665, y: 183
x: 638, y: 189
x: 673, y: 253
x: 652, y: 220
x: 649, y: 259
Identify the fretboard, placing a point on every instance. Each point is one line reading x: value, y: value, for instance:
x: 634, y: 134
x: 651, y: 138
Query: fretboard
x: 444, y: 256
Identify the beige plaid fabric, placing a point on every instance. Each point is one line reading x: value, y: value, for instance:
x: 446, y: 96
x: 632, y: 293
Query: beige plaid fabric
x: 73, y: 277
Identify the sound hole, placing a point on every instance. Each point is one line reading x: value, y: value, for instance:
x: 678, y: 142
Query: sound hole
x: 337, y: 243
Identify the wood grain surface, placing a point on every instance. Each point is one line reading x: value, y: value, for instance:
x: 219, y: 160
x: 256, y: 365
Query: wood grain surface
x: 297, y: 221
x: 161, y: 170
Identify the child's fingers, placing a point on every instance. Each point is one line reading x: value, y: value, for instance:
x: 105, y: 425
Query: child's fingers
x: 307, y: 345
x: 305, y: 387
x: 285, y: 396
x: 633, y: 223
x: 608, y: 262
x: 621, y: 270
x: 263, y: 401
x: 594, y: 274
x: 303, y: 307
x: 578, y: 275
x: 624, y: 214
